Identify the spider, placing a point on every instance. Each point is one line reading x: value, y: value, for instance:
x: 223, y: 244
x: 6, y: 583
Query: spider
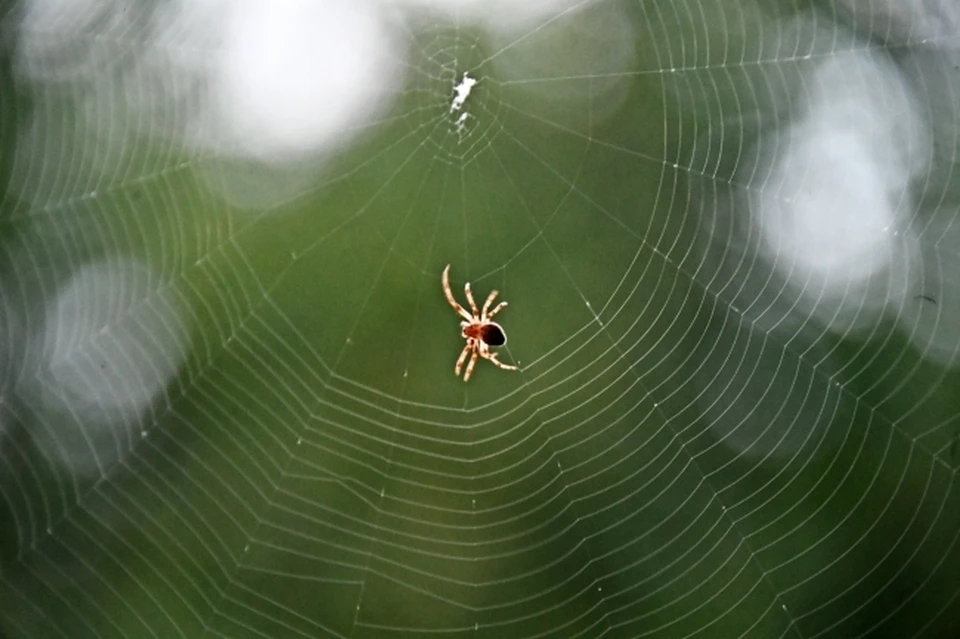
x: 478, y: 329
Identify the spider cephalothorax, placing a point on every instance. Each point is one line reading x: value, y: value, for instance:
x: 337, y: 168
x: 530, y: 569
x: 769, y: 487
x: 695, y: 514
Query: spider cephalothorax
x: 477, y: 328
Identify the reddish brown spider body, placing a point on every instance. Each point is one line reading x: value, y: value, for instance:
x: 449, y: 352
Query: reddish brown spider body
x: 477, y: 328
x: 491, y: 333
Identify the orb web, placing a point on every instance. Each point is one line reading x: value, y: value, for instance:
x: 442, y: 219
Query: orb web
x: 727, y: 237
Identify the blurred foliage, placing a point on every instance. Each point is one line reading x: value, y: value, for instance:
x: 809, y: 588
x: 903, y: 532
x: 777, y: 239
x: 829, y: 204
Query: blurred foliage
x: 662, y: 465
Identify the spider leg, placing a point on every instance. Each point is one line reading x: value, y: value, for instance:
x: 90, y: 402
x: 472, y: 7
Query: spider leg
x: 496, y: 309
x: 506, y: 367
x: 463, y: 357
x: 491, y: 356
x: 492, y: 296
x: 473, y: 361
x: 473, y: 304
x: 449, y: 294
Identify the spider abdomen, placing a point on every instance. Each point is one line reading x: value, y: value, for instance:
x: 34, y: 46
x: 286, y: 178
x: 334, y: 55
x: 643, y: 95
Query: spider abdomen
x: 492, y: 334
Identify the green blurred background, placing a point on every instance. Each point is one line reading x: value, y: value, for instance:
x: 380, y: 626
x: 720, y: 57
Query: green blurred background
x: 664, y: 463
